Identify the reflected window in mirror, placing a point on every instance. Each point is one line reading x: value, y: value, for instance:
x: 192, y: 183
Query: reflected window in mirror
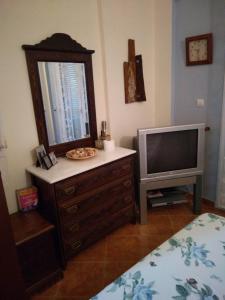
x: 64, y: 95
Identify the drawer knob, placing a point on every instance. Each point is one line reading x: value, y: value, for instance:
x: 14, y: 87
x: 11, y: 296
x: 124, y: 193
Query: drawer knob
x: 74, y: 227
x: 127, y: 199
x: 69, y: 190
x: 76, y: 245
x: 126, y: 167
x: 72, y: 209
x: 128, y: 214
x: 127, y: 183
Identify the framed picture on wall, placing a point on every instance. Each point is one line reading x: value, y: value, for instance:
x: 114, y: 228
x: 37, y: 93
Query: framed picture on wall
x: 199, y: 50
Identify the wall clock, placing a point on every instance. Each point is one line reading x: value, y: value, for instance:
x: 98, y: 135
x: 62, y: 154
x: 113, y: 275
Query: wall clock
x: 199, y: 50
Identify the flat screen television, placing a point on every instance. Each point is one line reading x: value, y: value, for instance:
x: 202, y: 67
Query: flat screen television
x: 171, y: 152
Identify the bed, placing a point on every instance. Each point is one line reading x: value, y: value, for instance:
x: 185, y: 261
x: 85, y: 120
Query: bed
x: 189, y: 265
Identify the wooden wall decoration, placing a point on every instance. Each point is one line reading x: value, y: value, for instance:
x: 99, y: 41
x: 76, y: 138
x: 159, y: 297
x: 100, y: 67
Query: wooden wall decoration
x: 133, y: 76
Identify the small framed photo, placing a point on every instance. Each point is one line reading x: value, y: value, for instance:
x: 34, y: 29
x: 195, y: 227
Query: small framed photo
x: 53, y: 158
x: 41, y: 152
x: 47, y: 162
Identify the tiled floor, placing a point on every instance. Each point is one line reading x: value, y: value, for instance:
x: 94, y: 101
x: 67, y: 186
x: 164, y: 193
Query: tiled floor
x: 94, y: 268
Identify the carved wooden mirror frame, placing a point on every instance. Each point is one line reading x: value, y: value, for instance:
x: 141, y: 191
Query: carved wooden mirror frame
x: 60, y: 47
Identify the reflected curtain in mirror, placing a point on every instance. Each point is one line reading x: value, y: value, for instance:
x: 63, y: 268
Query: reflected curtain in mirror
x: 64, y: 95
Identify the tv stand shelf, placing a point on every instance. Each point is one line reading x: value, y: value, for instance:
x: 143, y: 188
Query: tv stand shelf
x: 147, y: 185
x: 166, y: 197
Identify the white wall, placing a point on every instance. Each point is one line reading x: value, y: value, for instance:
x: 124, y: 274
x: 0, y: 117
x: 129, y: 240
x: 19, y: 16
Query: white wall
x: 102, y: 25
x: 149, y: 24
x: 122, y: 20
x: 162, y: 61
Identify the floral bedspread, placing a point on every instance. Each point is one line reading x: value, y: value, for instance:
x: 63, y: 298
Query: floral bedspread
x: 190, y: 265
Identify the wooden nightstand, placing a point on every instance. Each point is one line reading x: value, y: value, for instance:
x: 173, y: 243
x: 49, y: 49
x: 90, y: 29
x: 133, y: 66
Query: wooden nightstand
x: 37, y: 250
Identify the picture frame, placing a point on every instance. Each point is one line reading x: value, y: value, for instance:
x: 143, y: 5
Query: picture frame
x: 53, y: 158
x: 40, y: 152
x: 199, y: 49
x: 47, y: 162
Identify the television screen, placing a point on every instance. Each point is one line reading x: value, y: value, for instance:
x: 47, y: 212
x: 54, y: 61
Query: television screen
x: 170, y: 151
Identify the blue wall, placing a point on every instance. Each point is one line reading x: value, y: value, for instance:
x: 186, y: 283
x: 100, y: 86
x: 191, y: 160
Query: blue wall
x: 191, y: 18
x: 194, y: 17
x: 215, y: 96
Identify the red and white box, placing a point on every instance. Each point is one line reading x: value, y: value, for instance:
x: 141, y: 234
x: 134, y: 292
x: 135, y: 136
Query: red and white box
x: 27, y: 198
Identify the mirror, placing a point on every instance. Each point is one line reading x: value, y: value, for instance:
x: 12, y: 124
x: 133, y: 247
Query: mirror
x: 64, y: 93
x: 60, y: 72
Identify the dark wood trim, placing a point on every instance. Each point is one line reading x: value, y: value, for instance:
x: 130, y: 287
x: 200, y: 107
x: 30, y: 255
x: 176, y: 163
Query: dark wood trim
x: 29, y: 225
x: 58, y: 42
x: 11, y: 283
x: 140, y: 86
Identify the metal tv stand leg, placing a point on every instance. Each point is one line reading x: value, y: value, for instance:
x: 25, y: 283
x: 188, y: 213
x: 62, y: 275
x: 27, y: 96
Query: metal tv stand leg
x: 197, y: 195
x: 143, y: 204
x: 151, y: 185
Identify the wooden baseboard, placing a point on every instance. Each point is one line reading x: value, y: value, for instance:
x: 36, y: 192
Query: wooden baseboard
x: 204, y: 200
x: 208, y: 202
x: 45, y: 282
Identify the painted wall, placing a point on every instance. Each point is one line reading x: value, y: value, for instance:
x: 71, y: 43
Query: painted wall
x: 215, y: 96
x: 190, y: 83
x: 102, y: 25
x: 144, y: 24
x: 163, y: 61
x: 27, y: 22
x: 136, y: 22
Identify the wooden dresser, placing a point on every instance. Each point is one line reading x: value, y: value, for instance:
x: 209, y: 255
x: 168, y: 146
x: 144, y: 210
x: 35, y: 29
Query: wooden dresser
x: 87, y: 199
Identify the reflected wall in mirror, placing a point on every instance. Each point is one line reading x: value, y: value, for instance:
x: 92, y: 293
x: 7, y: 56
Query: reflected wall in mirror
x: 61, y: 78
x: 63, y: 87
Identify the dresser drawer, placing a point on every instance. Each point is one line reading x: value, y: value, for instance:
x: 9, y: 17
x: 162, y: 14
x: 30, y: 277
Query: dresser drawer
x: 81, y: 227
x: 121, y: 217
x: 77, y: 185
x: 76, y: 243
x: 97, y: 202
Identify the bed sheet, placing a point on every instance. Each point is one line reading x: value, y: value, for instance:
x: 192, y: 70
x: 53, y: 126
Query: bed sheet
x: 189, y: 265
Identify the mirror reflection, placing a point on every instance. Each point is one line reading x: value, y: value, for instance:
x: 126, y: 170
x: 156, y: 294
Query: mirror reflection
x: 64, y: 93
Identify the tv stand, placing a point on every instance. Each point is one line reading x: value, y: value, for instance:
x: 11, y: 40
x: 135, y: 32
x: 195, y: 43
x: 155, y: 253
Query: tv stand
x: 147, y: 185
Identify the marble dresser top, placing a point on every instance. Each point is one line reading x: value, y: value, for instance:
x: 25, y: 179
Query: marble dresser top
x: 66, y: 168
